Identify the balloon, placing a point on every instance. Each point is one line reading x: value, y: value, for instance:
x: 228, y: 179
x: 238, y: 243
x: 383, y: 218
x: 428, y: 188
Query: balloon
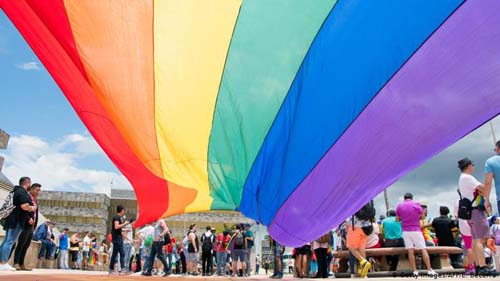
x: 294, y: 112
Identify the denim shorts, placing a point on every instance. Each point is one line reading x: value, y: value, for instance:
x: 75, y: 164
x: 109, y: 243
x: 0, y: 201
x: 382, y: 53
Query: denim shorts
x: 192, y: 257
x: 239, y: 253
x: 277, y: 250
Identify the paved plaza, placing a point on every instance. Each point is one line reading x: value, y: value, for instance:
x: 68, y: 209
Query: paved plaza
x: 60, y: 275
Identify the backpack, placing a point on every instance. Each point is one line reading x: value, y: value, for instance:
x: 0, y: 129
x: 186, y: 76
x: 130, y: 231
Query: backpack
x: 148, y: 241
x: 166, y: 239
x: 464, y: 207
x: 7, y: 208
x: 239, y: 240
x: 367, y: 213
x: 207, y: 242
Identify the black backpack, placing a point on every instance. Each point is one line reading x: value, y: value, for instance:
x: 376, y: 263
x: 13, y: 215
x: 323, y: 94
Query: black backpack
x: 367, y: 213
x: 166, y: 239
x: 239, y: 239
x: 464, y: 207
x: 207, y: 242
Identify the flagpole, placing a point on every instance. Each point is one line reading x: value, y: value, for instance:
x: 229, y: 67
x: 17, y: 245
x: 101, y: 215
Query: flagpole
x: 386, y: 198
x: 493, y: 133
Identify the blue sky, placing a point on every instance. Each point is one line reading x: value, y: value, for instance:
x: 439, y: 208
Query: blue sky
x: 51, y: 144
x: 33, y: 105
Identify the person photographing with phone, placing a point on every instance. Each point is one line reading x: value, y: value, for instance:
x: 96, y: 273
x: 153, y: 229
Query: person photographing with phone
x: 117, y: 239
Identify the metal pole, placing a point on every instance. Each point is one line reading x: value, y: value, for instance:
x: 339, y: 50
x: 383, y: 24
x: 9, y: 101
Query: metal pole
x: 493, y: 133
x: 386, y: 198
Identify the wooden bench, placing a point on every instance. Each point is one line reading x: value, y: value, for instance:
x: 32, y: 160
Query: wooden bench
x: 441, y: 263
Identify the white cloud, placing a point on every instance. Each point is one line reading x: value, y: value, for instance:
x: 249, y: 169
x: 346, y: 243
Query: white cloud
x: 32, y: 65
x: 436, y: 181
x: 56, y: 164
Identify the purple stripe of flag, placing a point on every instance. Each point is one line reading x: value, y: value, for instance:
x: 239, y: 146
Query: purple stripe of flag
x: 447, y: 89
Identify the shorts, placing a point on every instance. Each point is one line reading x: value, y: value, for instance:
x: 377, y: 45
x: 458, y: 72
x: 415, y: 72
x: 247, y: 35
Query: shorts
x: 356, y: 239
x: 85, y: 254
x: 414, y: 240
x: 277, y: 250
x: 467, y: 242
x: 192, y: 257
x: 479, y: 226
x: 239, y: 253
x: 74, y: 256
x: 304, y: 250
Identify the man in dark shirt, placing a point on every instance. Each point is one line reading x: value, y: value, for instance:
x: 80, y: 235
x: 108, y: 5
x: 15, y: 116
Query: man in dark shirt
x: 24, y: 240
x: 117, y: 239
x: 16, y: 221
x: 445, y: 228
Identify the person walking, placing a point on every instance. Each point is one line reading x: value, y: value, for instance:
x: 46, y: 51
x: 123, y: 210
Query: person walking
x: 159, y: 236
x: 24, y: 240
x: 207, y: 240
x: 267, y: 263
x: 257, y: 264
x: 16, y: 221
x: 117, y: 239
x: 476, y: 193
x: 410, y: 213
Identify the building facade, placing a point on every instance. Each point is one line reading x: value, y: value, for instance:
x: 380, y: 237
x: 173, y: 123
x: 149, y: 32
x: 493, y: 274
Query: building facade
x: 77, y: 211
x: 123, y: 197
x: 93, y: 212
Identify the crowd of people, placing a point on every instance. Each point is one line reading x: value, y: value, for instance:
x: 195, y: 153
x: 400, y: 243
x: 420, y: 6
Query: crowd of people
x: 21, y: 225
x: 471, y: 228
x: 154, y: 249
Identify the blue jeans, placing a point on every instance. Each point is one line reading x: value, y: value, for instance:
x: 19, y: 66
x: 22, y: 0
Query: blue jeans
x: 127, y: 248
x: 47, y: 249
x: 11, y: 236
x: 221, y: 263
x: 156, y: 251
x: 117, y: 248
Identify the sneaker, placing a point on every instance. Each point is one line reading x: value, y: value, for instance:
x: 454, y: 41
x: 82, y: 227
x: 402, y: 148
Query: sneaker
x: 470, y: 270
x: 365, y: 268
x: 147, y: 274
x: 112, y: 272
x: 486, y: 272
x: 3, y: 267
x: 432, y: 273
x: 415, y: 273
x: 167, y: 273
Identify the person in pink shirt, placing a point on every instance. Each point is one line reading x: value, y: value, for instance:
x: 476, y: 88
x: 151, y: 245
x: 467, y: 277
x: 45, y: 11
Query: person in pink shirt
x: 222, y: 241
x: 409, y: 213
